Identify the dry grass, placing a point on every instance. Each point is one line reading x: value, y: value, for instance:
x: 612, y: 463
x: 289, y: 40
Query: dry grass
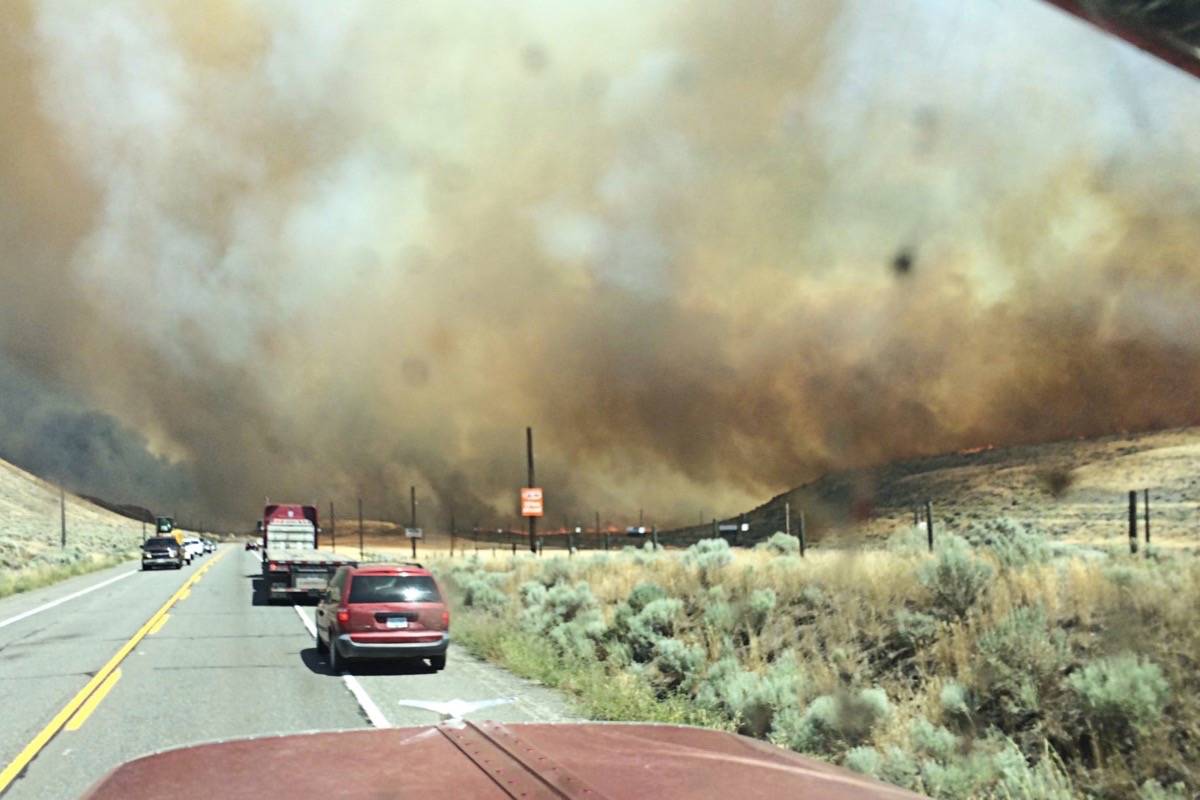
x: 35, y: 577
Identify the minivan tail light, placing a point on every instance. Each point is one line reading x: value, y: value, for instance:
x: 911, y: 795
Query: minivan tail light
x: 343, y: 616
x: 445, y: 619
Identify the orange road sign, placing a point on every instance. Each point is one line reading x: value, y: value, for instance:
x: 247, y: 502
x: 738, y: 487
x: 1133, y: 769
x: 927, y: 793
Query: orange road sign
x: 532, y: 502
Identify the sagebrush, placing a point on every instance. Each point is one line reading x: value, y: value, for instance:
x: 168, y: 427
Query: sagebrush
x: 995, y: 667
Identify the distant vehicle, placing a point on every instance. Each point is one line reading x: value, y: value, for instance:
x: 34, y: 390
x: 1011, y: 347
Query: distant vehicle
x: 292, y: 564
x: 165, y: 526
x: 209, y: 546
x: 252, y: 544
x: 193, y: 546
x: 393, y: 611
x: 162, y: 551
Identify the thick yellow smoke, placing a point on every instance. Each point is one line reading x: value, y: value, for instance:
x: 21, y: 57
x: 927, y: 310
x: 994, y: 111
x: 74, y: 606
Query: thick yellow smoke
x: 707, y: 250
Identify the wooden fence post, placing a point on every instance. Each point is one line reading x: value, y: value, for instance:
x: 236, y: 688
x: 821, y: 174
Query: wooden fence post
x: 929, y: 522
x: 1146, y: 512
x: 1133, y: 522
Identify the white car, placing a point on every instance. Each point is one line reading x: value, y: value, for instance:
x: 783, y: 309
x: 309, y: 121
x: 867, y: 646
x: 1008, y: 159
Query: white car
x: 193, y: 546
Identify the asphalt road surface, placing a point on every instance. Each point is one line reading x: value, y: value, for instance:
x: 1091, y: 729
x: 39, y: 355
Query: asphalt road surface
x: 131, y: 662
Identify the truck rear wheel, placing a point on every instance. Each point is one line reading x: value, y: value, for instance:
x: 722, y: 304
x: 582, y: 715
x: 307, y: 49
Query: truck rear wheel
x: 321, y: 646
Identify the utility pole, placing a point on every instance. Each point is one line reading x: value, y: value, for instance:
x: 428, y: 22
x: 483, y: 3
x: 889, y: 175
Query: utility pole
x: 787, y: 518
x: 62, y: 509
x: 360, y: 530
x: 453, y: 533
x: 533, y: 548
x: 412, y: 495
x: 332, y: 528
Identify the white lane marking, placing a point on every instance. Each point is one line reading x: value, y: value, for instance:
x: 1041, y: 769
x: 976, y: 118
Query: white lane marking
x: 373, y: 712
x: 61, y: 600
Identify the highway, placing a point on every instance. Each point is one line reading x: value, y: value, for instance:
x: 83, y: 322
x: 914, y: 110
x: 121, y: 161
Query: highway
x: 128, y: 663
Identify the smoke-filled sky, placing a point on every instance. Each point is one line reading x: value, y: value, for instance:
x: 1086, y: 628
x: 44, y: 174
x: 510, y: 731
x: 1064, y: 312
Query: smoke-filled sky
x: 311, y: 250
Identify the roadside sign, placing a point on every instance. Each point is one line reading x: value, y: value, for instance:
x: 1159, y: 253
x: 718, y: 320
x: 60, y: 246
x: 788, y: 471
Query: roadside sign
x: 532, y: 504
x: 414, y: 533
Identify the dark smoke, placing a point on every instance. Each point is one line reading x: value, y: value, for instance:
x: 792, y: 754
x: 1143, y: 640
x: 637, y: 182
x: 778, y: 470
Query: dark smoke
x: 323, y: 251
x: 49, y: 434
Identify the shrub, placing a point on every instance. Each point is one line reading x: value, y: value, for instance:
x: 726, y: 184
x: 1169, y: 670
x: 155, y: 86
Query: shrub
x: 909, y: 540
x: 932, y: 741
x: 913, y: 630
x: 955, y: 702
x: 1014, y: 544
x: 831, y: 722
x: 481, y: 590
x: 956, y: 578
x: 644, y: 556
x: 708, y: 557
x: 992, y: 768
x: 1123, y: 575
x: 1153, y: 790
x: 554, y: 571
x: 759, y: 608
x: 1020, y: 660
x: 780, y: 544
x: 1122, y: 692
x: 641, y: 630
x: 676, y: 664
x: 568, y: 615
x: 718, y: 616
x: 750, y: 698
x: 866, y: 760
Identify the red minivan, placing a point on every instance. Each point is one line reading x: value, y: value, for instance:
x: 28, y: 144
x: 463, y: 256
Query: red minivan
x: 391, y: 611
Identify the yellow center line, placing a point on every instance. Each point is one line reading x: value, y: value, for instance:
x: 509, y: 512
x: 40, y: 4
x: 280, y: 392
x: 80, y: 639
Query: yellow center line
x: 158, y: 625
x: 35, y: 746
x: 86, y: 710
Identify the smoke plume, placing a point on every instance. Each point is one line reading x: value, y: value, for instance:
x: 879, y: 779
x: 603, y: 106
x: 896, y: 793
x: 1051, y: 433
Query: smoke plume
x: 707, y: 250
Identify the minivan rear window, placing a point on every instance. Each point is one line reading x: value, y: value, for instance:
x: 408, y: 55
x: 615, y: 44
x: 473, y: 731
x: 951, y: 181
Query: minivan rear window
x: 393, y: 589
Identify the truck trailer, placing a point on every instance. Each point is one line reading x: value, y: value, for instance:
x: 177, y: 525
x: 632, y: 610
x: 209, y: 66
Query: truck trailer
x: 293, y: 565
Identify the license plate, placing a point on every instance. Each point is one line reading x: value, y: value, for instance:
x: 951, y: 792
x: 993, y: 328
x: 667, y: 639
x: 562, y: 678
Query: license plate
x: 310, y: 583
x: 397, y: 622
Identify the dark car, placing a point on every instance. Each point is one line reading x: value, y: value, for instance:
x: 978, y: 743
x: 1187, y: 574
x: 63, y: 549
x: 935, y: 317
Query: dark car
x: 162, y: 551
x: 383, y: 611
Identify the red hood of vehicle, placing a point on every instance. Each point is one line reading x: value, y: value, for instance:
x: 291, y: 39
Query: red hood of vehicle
x: 491, y: 760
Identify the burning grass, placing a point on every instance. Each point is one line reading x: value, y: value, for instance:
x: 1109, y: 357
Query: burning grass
x: 994, y: 667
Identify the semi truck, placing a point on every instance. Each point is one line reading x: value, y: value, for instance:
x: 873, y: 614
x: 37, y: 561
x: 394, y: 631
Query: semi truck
x: 293, y: 565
